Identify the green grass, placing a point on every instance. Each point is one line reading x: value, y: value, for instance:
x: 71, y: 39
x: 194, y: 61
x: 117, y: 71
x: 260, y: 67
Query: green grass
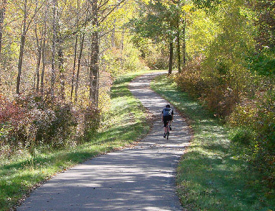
x: 210, y: 177
x: 125, y: 123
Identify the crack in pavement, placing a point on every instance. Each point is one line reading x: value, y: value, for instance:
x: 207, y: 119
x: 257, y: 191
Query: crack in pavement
x: 139, y: 178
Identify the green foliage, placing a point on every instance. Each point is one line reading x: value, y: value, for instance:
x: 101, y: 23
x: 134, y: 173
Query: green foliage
x: 201, y: 32
x: 156, y: 21
x: 155, y: 56
x: 204, y: 4
x: 243, y: 137
x: 263, y: 62
x: 159, y: 22
x: 118, y: 61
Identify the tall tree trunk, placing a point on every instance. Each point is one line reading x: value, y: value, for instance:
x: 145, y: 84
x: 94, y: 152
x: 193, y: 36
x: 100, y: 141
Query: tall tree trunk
x: 22, y: 46
x: 178, y: 51
x: 78, y: 67
x: 122, y: 48
x: 74, y: 66
x: 94, y: 66
x: 38, y: 62
x: 43, y: 65
x: 2, y: 16
x: 61, y: 69
x: 44, y: 51
x: 178, y: 44
x: 171, y: 58
x: 20, y: 62
x: 75, y: 52
x: 184, y: 42
x: 53, y: 74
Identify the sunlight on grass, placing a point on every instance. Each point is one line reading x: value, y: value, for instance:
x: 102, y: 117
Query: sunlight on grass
x: 208, y: 178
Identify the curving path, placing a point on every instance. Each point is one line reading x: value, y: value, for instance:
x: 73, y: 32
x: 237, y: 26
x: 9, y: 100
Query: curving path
x: 140, y: 178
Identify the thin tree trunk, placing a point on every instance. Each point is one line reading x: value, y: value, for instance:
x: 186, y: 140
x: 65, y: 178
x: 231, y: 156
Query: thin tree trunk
x: 122, y: 48
x: 171, y: 58
x: 74, y: 66
x: 61, y: 70
x: 184, y: 43
x: 178, y: 45
x: 20, y: 62
x: 39, y: 55
x: 78, y: 67
x: 43, y: 52
x: 94, y: 66
x: 2, y: 16
x: 178, y: 52
x: 94, y: 69
x: 53, y: 76
x: 22, y: 46
x: 43, y: 65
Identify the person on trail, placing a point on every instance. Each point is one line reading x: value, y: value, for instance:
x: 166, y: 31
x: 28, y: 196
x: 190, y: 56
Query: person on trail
x: 166, y: 117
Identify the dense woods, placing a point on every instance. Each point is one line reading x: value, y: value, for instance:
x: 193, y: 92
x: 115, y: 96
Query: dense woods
x: 58, y: 58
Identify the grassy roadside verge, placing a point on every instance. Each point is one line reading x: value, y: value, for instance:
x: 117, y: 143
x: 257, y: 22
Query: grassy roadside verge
x: 124, y: 124
x: 210, y: 177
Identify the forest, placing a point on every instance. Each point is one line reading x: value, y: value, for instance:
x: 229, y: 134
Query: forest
x: 59, y: 58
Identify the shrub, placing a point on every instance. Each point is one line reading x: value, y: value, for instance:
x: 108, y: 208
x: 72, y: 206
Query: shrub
x: 220, y: 99
x: 12, y: 117
x: 91, y: 121
x: 33, y: 120
x: 49, y: 122
x: 190, y: 79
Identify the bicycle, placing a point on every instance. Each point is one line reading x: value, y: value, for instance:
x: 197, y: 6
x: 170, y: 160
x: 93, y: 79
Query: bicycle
x: 168, y: 128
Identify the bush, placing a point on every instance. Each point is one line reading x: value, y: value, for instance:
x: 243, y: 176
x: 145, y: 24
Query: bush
x: 221, y: 100
x: 190, y: 79
x: 90, y: 121
x: 12, y: 117
x: 33, y: 120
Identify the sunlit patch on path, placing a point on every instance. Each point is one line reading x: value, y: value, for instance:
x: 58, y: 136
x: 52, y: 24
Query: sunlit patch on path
x: 139, y: 178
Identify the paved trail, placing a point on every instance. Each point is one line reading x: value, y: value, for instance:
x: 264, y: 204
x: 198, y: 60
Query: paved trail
x: 140, y: 178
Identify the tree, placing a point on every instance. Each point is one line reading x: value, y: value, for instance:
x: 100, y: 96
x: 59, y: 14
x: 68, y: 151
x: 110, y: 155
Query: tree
x: 54, y: 41
x: 99, y: 14
x: 94, y: 66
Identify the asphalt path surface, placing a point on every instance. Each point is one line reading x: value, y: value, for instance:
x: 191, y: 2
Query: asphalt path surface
x: 139, y: 178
